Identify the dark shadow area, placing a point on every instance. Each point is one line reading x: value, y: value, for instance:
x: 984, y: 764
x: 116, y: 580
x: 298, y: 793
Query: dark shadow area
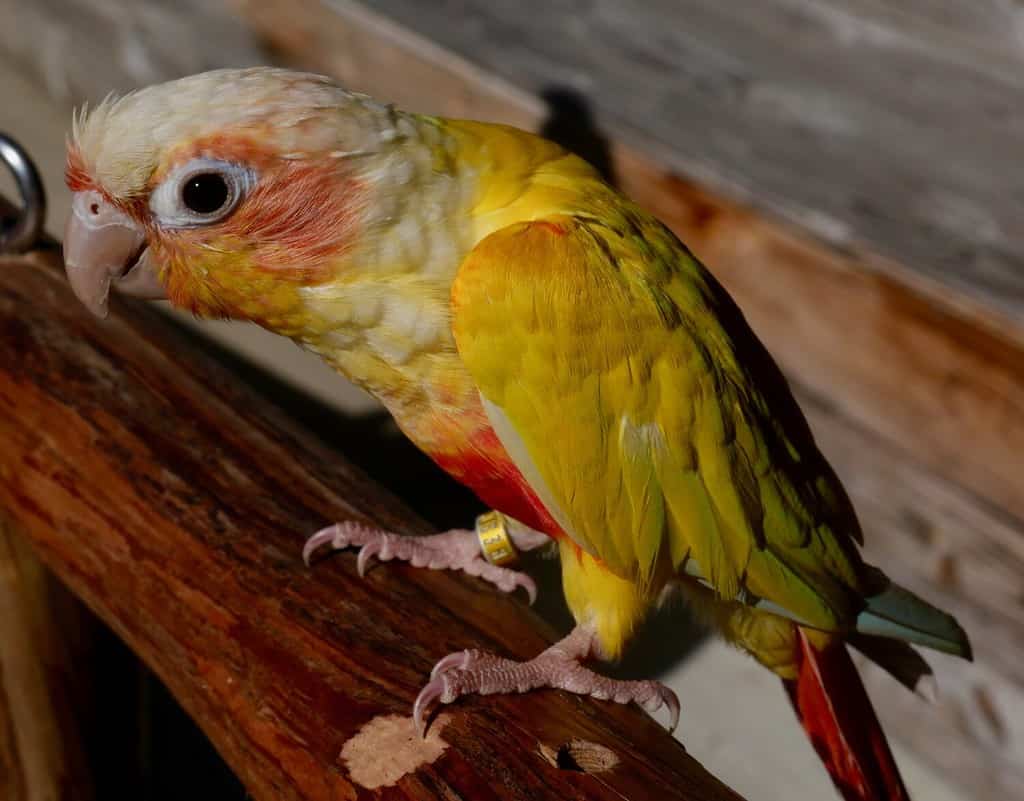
x: 665, y: 639
x: 148, y: 747
x: 571, y: 124
x: 137, y: 742
x: 372, y: 442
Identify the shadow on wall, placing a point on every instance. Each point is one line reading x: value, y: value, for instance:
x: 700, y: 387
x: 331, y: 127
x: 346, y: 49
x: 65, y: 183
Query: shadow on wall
x: 571, y: 124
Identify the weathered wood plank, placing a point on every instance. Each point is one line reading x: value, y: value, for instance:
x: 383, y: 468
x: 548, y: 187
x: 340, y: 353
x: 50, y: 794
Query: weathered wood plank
x: 44, y: 633
x: 984, y: 36
x: 83, y: 49
x: 174, y: 502
x: 855, y: 120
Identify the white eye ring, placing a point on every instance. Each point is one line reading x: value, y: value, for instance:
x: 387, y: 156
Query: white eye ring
x: 168, y: 202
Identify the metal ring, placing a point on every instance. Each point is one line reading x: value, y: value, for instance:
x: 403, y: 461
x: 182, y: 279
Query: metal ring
x: 26, y: 229
x: 495, y: 543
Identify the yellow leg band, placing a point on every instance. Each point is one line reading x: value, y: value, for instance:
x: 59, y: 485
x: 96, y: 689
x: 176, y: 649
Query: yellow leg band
x: 495, y: 543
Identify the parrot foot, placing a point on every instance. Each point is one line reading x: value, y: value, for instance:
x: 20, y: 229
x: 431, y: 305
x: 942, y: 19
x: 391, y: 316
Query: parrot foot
x: 468, y: 672
x: 458, y: 549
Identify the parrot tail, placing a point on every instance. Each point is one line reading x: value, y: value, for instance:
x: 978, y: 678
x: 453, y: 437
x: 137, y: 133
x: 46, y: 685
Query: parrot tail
x: 894, y: 611
x: 834, y: 709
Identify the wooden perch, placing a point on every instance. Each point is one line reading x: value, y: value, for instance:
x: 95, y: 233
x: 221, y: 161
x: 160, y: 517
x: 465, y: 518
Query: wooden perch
x: 174, y: 501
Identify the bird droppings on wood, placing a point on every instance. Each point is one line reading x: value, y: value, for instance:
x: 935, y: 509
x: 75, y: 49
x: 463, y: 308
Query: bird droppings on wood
x: 389, y: 747
x: 581, y: 756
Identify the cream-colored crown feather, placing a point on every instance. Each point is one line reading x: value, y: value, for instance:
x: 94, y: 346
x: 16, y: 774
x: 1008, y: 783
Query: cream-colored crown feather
x: 122, y: 140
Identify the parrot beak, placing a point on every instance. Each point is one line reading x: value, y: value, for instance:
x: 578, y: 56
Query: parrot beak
x: 103, y: 246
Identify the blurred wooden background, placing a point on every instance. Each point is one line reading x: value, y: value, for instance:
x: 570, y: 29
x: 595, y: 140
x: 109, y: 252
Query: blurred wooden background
x: 848, y: 168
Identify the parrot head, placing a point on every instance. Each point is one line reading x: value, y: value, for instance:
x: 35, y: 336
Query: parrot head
x: 225, y: 192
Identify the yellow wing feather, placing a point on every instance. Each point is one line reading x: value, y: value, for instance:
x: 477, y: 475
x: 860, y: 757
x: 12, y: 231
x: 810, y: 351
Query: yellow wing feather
x: 653, y: 418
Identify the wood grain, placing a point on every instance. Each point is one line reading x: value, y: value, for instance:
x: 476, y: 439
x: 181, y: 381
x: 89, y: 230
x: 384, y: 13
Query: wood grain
x: 175, y: 502
x: 45, y: 683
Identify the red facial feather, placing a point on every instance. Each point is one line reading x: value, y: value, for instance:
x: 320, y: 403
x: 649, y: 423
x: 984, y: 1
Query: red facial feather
x: 76, y: 176
x: 293, y: 226
x: 237, y: 147
x: 300, y: 219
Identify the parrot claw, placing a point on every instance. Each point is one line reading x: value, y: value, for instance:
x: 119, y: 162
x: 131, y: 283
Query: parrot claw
x: 458, y: 549
x: 434, y: 689
x: 459, y: 660
x: 475, y: 672
x: 366, y: 553
x: 319, y: 539
x: 667, y: 698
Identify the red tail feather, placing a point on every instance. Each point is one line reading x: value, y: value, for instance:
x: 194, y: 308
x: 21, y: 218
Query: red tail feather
x: 834, y: 709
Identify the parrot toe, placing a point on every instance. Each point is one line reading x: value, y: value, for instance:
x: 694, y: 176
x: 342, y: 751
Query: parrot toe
x: 459, y: 660
x: 458, y: 549
x: 475, y: 672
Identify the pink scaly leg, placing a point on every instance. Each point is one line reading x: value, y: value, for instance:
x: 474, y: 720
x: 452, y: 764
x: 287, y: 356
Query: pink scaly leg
x: 467, y: 672
x: 458, y: 549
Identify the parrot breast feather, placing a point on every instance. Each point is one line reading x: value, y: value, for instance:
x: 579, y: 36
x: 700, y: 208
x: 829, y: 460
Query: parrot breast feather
x: 632, y: 396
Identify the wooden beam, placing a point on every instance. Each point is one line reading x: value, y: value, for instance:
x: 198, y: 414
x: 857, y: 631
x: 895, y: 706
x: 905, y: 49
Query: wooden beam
x: 174, y: 501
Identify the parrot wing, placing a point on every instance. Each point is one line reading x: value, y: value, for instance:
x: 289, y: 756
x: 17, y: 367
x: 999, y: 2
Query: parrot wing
x: 633, y: 397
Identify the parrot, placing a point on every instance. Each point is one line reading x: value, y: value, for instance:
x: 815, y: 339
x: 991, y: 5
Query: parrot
x: 548, y: 343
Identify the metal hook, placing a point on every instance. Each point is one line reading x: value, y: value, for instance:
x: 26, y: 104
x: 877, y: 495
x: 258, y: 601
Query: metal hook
x: 26, y: 229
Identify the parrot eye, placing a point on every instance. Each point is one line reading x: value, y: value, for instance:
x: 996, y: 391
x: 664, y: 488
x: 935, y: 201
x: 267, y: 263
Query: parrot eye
x: 205, y: 193
x: 201, y: 192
